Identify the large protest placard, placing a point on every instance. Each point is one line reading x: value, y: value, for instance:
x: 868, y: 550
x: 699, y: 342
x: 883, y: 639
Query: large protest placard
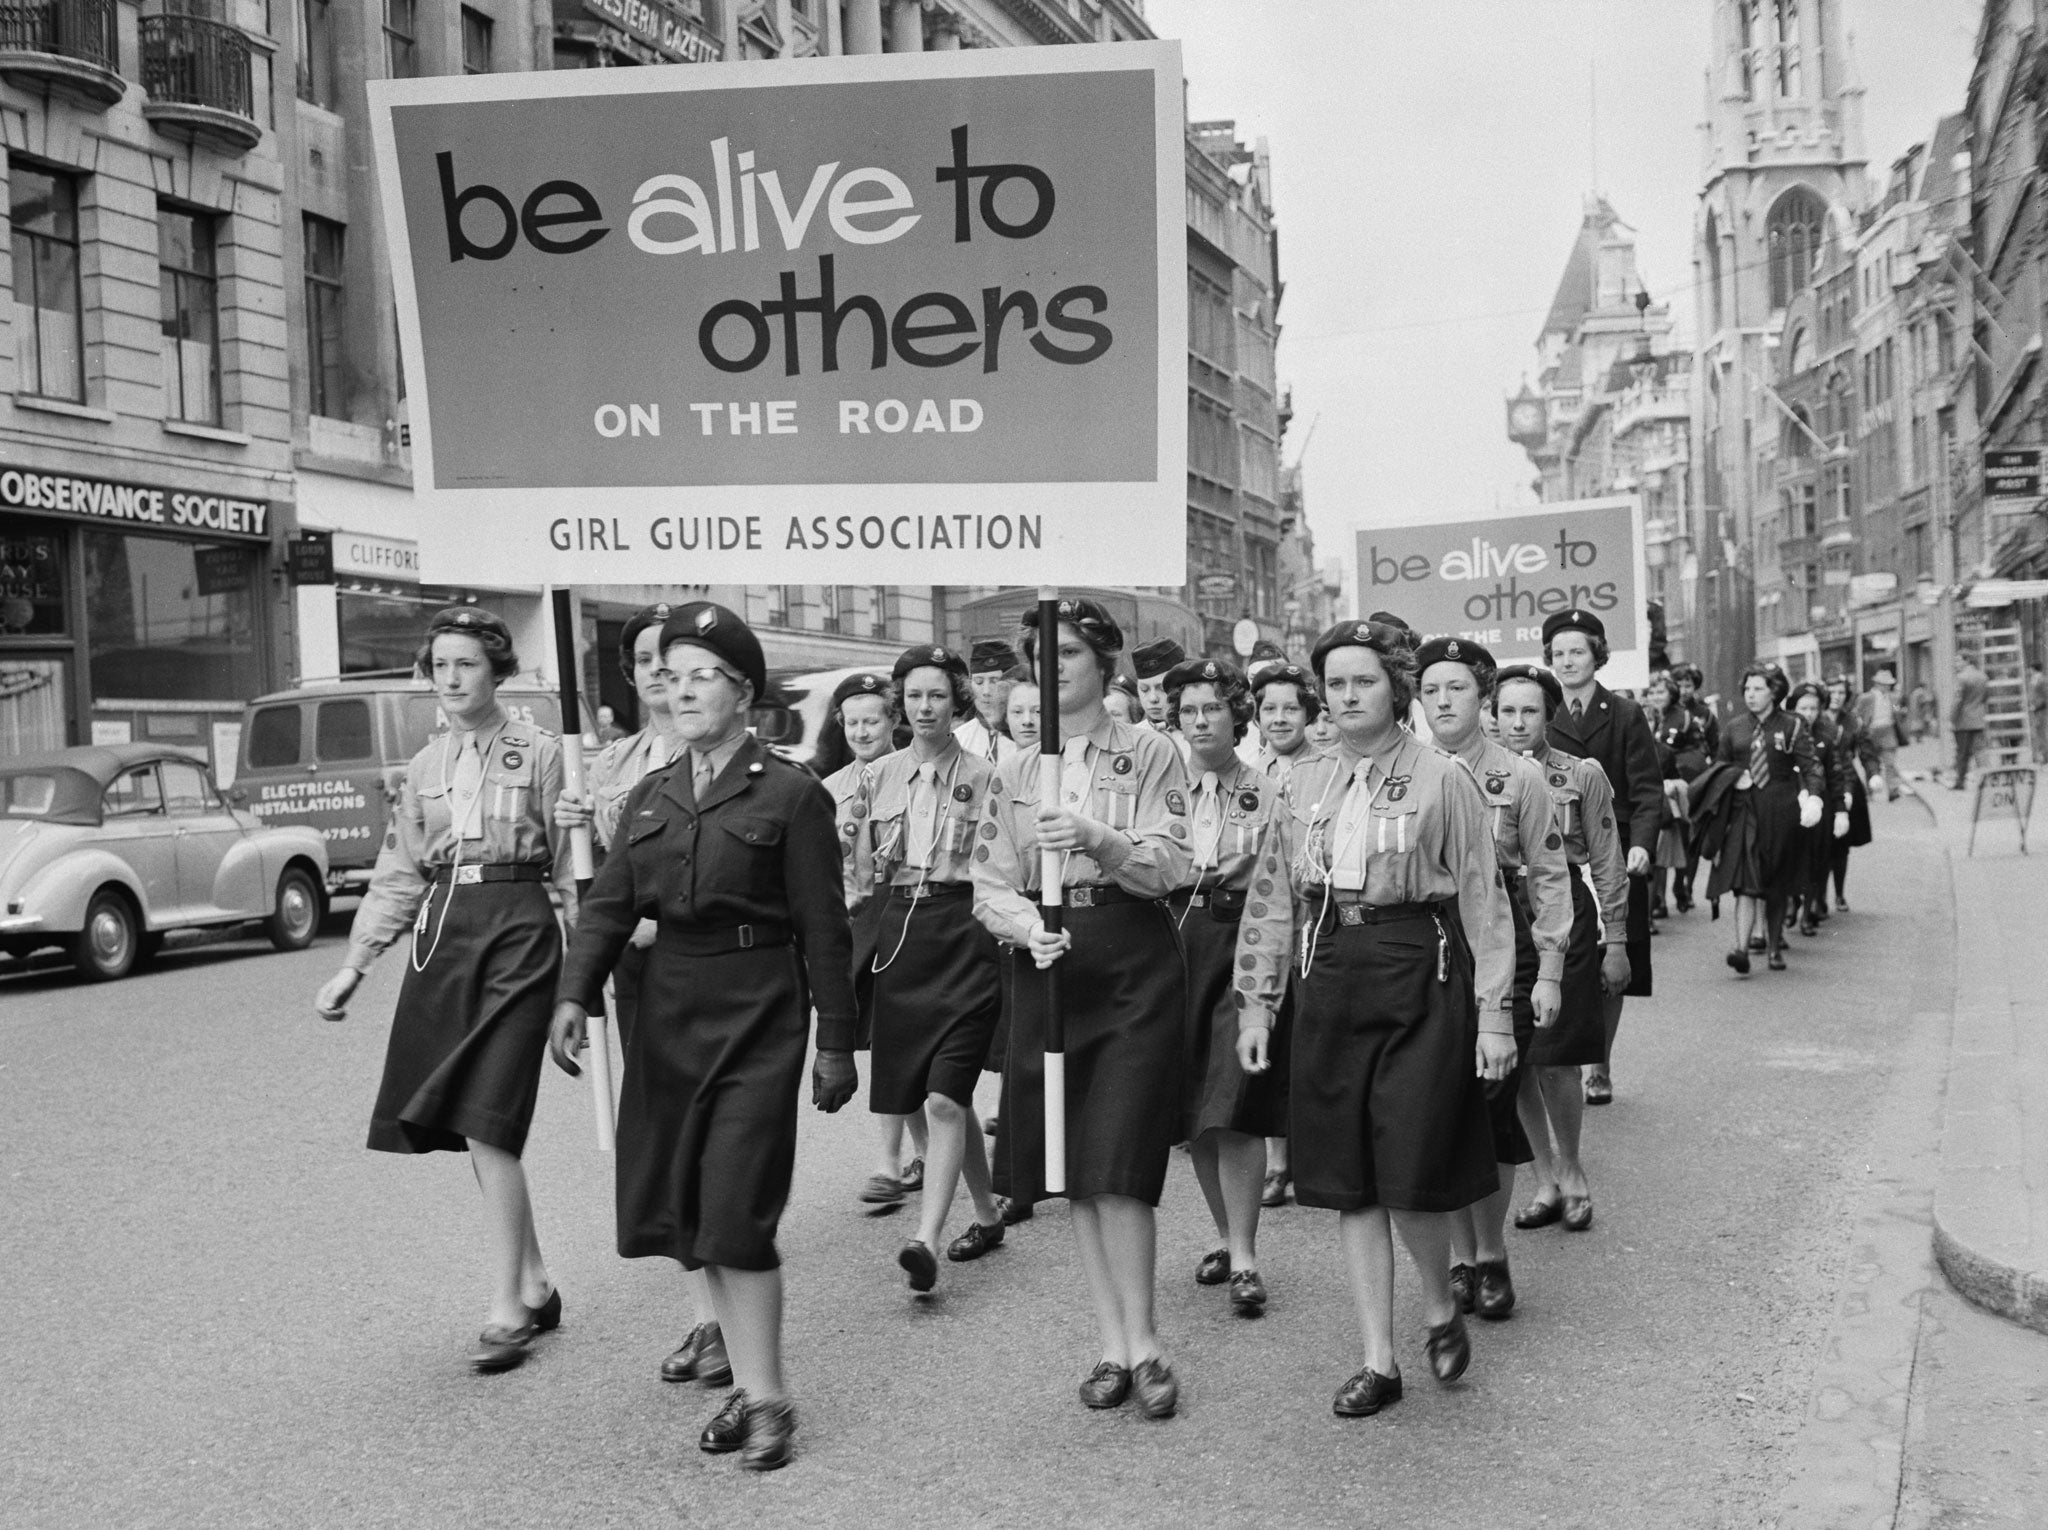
x: 1495, y: 579
x: 838, y: 320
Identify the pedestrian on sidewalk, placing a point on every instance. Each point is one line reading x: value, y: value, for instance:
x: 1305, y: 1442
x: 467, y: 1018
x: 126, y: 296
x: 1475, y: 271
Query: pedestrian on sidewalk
x: 464, y: 870
x: 1235, y: 939
x: 929, y: 995
x: 1552, y: 1104
x: 1862, y: 758
x: 1777, y: 793
x: 1809, y: 705
x: 1967, y: 716
x: 1885, y: 727
x: 1458, y: 679
x: 1406, y: 939
x: 1689, y: 678
x: 732, y: 851
x: 1122, y: 830
x: 1681, y: 755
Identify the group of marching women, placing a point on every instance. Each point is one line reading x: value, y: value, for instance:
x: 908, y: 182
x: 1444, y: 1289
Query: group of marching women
x: 1383, y: 953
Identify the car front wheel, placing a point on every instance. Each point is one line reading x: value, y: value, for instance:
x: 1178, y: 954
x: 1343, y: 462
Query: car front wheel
x: 107, y: 946
x: 296, y: 919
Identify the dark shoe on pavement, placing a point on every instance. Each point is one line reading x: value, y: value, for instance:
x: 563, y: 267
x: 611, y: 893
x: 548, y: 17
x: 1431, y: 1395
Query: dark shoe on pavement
x: 770, y: 1429
x: 1539, y: 1213
x: 1757, y: 943
x: 1107, y: 1386
x: 881, y: 1190
x: 1214, y: 1268
x: 547, y: 1317
x: 1496, y: 1294
x: 1461, y: 1286
x: 701, y: 1357
x: 499, y: 1348
x: 1739, y: 960
x: 979, y: 1238
x: 919, y: 1265
x: 912, y: 1177
x: 1776, y: 962
x: 1841, y: 904
x: 1365, y: 1394
x: 1274, y: 1192
x: 728, y: 1427
x: 1015, y: 1211
x: 1449, y: 1349
x: 1153, y: 1385
x: 1247, y: 1294
x: 988, y: 1127
x: 1599, y: 1089
x: 1808, y: 928
x: 1578, y: 1213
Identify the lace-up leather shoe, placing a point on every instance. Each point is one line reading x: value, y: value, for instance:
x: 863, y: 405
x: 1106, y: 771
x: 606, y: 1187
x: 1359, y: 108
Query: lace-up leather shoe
x: 499, y: 1348
x: 1214, y: 1268
x: 1247, y: 1294
x: 882, y: 1190
x: 1365, y: 1394
x: 1494, y: 1297
x: 1449, y: 1349
x: 919, y: 1265
x: 1461, y: 1286
x: 1152, y: 1383
x: 979, y: 1238
x: 728, y: 1427
x: 771, y: 1435
x: 1107, y: 1386
x: 701, y: 1358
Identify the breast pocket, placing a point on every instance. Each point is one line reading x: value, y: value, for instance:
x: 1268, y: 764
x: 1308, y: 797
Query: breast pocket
x: 754, y: 834
x: 1391, y: 829
x: 434, y: 811
x: 652, y: 865
x: 1568, y: 810
x: 1119, y: 799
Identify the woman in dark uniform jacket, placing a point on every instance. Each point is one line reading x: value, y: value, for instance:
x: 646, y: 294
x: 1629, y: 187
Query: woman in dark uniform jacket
x: 1860, y: 758
x: 1761, y: 857
x: 733, y: 852
x: 1228, y: 1113
x: 464, y: 870
x: 1809, y: 705
x: 1123, y: 832
x: 1405, y: 1006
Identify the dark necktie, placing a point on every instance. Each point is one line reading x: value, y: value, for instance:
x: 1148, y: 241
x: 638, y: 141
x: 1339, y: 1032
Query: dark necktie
x: 1759, y: 756
x: 1578, y: 710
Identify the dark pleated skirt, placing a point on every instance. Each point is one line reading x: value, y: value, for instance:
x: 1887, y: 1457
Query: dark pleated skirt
x: 932, y: 1008
x: 1125, y: 1000
x: 1762, y: 853
x: 1510, y: 1142
x: 1386, y: 1105
x: 1006, y: 985
x: 707, y: 1106
x: 1638, y: 938
x: 1859, y: 813
x: 1216, y: 1093
x: 471, y: 1028
x: 1580, y: 1035
x: 627, y: 975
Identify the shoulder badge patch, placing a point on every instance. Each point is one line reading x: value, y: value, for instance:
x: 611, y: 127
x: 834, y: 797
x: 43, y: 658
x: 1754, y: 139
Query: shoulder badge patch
x: 963, y: 793
x: 1249, y: 801
x: 1121, y: 764
x: 1175, y: 802
x: 1557, y: 778
x: 1397, y: 787
x: 514, y: 759
x: 1496, y: 784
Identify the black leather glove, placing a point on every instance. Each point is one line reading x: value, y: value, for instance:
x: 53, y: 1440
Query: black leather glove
x: 833, y: 1080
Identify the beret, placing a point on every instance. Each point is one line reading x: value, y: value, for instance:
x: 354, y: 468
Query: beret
x: 866, y: 683
x: 1453, y: 650
x: 1573, y: 620
x: 637, y: 623
x: 472, y: 620
x: 1383, y: 638
x: 1156, y: 657
x: 1088, y: 617
x: 991, y: 656
x: 1553, y: 692
x: 1286, y: 674
x: 929, y: 656
x: 1399, y: 624
x: 710, y: 625
x: 1125, y: 684
x: 1266, y: 648
x: 1220, y: 673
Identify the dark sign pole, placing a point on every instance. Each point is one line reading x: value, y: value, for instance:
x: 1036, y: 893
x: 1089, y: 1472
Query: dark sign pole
x: 600, y: 1053
x: 1050, y: 909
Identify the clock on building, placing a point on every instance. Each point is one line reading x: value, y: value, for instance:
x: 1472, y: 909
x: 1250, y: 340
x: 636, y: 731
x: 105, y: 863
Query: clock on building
x: 1525, y: 419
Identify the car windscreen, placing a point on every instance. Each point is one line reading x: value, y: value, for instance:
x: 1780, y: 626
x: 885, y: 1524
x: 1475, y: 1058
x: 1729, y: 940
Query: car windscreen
x: 54, y: 796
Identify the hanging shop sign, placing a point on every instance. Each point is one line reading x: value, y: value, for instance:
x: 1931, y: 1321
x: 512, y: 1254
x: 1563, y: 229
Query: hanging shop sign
x: 145, y: 507
x: 674, y: 31
x: 2013, y: 474
x: 907, y: 317
x: 1496, y: 580
x: 309, y: 558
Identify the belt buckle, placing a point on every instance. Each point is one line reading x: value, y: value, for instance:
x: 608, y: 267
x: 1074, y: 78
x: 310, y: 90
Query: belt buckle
x: 468, y: 876
x: 1351, y: 913
x: 1199, y: 900
x: 746, y: 937
x: 1081, y: 897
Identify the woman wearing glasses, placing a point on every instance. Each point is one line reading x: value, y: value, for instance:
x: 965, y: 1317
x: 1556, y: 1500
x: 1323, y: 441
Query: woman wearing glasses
x: 732, y: 851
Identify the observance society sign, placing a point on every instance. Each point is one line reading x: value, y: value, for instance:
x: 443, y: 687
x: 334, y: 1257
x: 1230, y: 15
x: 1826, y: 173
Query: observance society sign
x: 838, y: 320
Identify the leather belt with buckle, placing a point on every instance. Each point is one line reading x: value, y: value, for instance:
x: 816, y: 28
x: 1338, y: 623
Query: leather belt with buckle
x: 1350, y: 914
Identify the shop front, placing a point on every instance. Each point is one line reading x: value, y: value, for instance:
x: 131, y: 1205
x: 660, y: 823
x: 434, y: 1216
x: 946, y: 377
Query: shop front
x: 132, y: 612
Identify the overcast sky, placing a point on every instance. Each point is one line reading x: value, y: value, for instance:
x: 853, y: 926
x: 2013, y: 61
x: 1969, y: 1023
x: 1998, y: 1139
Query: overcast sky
x: 1430, y: 166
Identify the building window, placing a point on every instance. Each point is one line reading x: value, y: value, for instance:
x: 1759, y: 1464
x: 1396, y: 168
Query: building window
x: 1212, y: 440
x: 1788, y: 46
x: 831, y: 602
x: 171, y: 620
x: 326, y: 382
x: 401, y: 34
x: 1793, y: 235
x: 316, y: 52
x: 879, y: 613
x: 48, y: 308
x: 476, y: 42
x: 1212, y: 326
x: 189, y: 284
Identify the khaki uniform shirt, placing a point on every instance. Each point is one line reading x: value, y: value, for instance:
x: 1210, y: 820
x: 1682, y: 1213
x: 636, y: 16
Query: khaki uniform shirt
x: 618, y: 768
x: 1526, y: 844
x: 1240, y: 845
x: 849, y: 806
x: 1582, y: 804
x: 899, y: 850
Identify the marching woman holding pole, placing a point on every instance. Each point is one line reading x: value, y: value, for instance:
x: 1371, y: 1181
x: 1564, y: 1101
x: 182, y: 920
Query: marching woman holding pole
x: 464, y: 873
x: 732, y: 852
x: 1120, y: 834
x: 1457, y: 678
x: 1778, y: 793
x: 1403, y: 1011
x: 1232, y: 914
x: 929, y: 997
x: 1596, y: 965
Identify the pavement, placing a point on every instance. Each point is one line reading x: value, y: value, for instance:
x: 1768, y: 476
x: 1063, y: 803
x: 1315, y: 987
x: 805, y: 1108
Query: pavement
x: 224, y: 1312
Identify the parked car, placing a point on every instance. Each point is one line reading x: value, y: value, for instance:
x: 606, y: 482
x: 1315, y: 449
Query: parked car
x: 330, y: 756
x: 104, y: 851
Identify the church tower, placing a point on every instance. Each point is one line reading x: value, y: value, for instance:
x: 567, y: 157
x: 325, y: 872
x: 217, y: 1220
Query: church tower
x: 1784, y: 161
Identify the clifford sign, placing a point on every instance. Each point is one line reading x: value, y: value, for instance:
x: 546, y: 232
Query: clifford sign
x: 843, y: 320
x: 1495, y: 580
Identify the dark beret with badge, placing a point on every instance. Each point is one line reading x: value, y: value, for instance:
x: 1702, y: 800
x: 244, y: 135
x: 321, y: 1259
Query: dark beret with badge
x: 1409, y: 636
x: 472, y: 621
x: 1088, y: 617
x: 710, y: 625
x: 1155, y: 658
x: 866, y: 683
x: 1457, y: 650
x: 1303, y: 682
x: 929, y: 656
x: 1574, y: 620
x: 1383, y: 638
x: 1553, y: 692
x: 637, y: 623
x: 991, y: 656
x: 1222, y: 674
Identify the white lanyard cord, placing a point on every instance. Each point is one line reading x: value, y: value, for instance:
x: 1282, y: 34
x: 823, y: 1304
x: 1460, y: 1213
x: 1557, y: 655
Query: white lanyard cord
x: 924, y: 870
x: 1311, y: 937
x: 469, y: 812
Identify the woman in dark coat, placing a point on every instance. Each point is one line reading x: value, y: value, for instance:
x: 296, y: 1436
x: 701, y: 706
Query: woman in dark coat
x: 1681, y: 756
x: 1809, y: 704
x: 464, y: 872
x: 733, y: 852
x: 1778, y: 792
x: 1860, y: 754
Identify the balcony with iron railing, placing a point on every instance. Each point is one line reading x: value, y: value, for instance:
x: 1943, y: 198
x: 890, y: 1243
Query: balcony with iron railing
x: 198, y: 73
x: 70, y: 47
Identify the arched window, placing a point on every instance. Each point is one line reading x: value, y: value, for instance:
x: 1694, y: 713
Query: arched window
x: 1745, y: 14
x: 1793, y: 235
x: 1787, y: 41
